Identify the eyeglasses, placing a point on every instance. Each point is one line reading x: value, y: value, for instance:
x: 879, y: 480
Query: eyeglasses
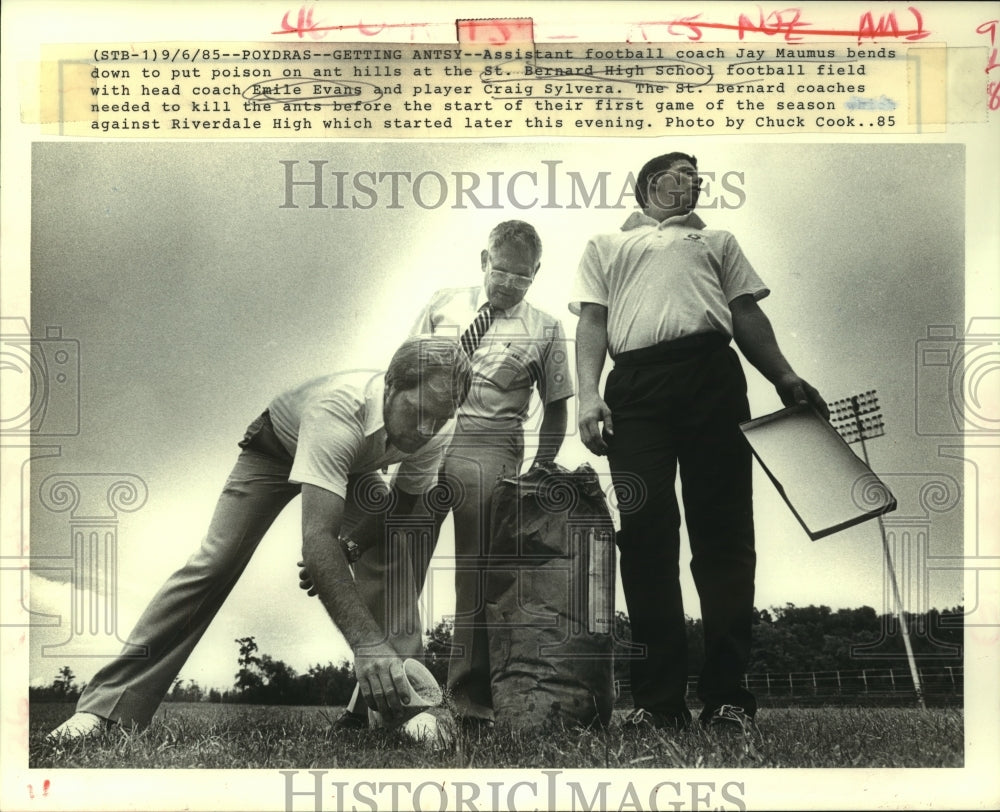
x: 511, y: 280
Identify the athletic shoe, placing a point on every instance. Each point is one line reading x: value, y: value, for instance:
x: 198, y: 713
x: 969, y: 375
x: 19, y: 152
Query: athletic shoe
x: 81, y: 725
x: 643, y: 719
x: 733, y: 721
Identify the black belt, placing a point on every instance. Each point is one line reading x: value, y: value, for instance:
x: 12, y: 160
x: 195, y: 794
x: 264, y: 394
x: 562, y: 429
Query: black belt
x: 677, y: 349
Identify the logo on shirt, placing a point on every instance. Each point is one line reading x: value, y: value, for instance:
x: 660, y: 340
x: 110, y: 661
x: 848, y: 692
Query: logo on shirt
x: 693, y: 237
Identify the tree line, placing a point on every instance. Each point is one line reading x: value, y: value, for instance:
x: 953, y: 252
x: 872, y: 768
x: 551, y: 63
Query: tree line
x: 794, y: 638
x: 786, y: 639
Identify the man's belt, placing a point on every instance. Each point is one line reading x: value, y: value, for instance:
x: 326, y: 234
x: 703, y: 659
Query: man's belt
x: 677, y: 349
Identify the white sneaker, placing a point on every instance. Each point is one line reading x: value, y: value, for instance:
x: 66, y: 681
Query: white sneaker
x: 81, y: 725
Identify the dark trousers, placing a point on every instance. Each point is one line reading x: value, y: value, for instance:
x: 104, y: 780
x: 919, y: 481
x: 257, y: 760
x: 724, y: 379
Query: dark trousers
x: 679, y: 405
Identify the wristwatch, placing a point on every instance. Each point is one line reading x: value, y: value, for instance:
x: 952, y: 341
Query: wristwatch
x: 350, y: 547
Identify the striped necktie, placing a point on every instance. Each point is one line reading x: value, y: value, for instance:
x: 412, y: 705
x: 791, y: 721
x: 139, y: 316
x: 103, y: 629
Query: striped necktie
x: 472, y: 337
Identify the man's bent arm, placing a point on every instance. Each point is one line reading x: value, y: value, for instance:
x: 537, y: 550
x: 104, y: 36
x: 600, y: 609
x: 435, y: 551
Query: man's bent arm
x: 591, y: 350
x: 379, y: 671
x: 755, y: 337
x: 370, y: 529
x: 552, y: 432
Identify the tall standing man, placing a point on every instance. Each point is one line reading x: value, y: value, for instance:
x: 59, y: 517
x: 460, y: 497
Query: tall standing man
x: 319, y: 439
x: 664, y: 297
x: 514, y: 348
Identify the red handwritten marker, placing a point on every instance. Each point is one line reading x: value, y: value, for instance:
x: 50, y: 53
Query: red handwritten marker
x: 991, y: 29
x: 790, y: 25
x: 787, y: 22
x: 306, y: 24
x: 45, y: 789
x: 888, y: 27
x: 495, y: 32
x: 993, y: 88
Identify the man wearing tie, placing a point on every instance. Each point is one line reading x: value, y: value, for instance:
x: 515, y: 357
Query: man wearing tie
x: 515, y: 347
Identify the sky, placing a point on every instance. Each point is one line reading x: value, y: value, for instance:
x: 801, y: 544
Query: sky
x: 196, y: 294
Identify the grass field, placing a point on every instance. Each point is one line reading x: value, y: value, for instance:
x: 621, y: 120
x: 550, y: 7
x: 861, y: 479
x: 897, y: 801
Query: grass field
x: 257, y: 737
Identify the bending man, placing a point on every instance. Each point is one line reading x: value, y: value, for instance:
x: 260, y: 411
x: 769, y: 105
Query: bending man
x: 318, y: 439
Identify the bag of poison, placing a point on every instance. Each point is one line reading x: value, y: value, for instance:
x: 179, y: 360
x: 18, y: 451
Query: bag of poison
x: 550, y: 587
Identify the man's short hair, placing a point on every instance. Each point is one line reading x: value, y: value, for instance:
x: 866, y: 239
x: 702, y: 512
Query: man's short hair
x: 519, y: 232
x: 654, y: 167
x: 438, y: 363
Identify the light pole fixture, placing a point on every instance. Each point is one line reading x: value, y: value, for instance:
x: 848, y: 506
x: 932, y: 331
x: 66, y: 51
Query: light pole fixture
x: 858, y: 418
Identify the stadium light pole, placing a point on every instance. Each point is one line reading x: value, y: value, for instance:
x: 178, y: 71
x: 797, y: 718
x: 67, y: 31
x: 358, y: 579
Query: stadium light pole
x: 846, y: 418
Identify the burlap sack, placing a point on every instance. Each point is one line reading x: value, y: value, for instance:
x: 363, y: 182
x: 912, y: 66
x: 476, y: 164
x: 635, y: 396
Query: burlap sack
x: 550, y: 588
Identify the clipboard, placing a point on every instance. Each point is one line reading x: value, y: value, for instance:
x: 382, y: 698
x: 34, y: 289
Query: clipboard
x: 825, y: 484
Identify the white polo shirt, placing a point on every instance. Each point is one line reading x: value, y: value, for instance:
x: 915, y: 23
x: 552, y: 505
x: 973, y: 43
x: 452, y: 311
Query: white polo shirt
x: 524, y: 346
x: 333, y: 427
x: 661, y: 281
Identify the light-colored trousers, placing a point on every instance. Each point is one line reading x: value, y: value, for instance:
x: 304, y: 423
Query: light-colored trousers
x: 474, y: 462
x: 129, y: 689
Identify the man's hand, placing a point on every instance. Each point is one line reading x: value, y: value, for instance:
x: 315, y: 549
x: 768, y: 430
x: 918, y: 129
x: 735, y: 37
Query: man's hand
x: 305, y: 582
x: 794, y: 391
x: 594, y: 412
x: 381, y: 679
x: 378, y: 668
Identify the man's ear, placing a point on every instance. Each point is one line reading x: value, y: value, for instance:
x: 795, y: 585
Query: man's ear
x: 538, y: 265
x: 484, y: 258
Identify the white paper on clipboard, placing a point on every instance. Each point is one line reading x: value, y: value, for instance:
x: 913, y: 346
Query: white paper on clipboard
x: 826, y: 485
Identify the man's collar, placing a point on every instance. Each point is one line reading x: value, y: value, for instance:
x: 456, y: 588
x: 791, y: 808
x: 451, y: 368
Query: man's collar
x: 510, y: 312
x: 640, y: 219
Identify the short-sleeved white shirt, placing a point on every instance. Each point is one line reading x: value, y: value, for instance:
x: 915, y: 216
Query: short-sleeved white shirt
x: 661, y: 281
x: 333, y: 427
x: 524, y: 347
